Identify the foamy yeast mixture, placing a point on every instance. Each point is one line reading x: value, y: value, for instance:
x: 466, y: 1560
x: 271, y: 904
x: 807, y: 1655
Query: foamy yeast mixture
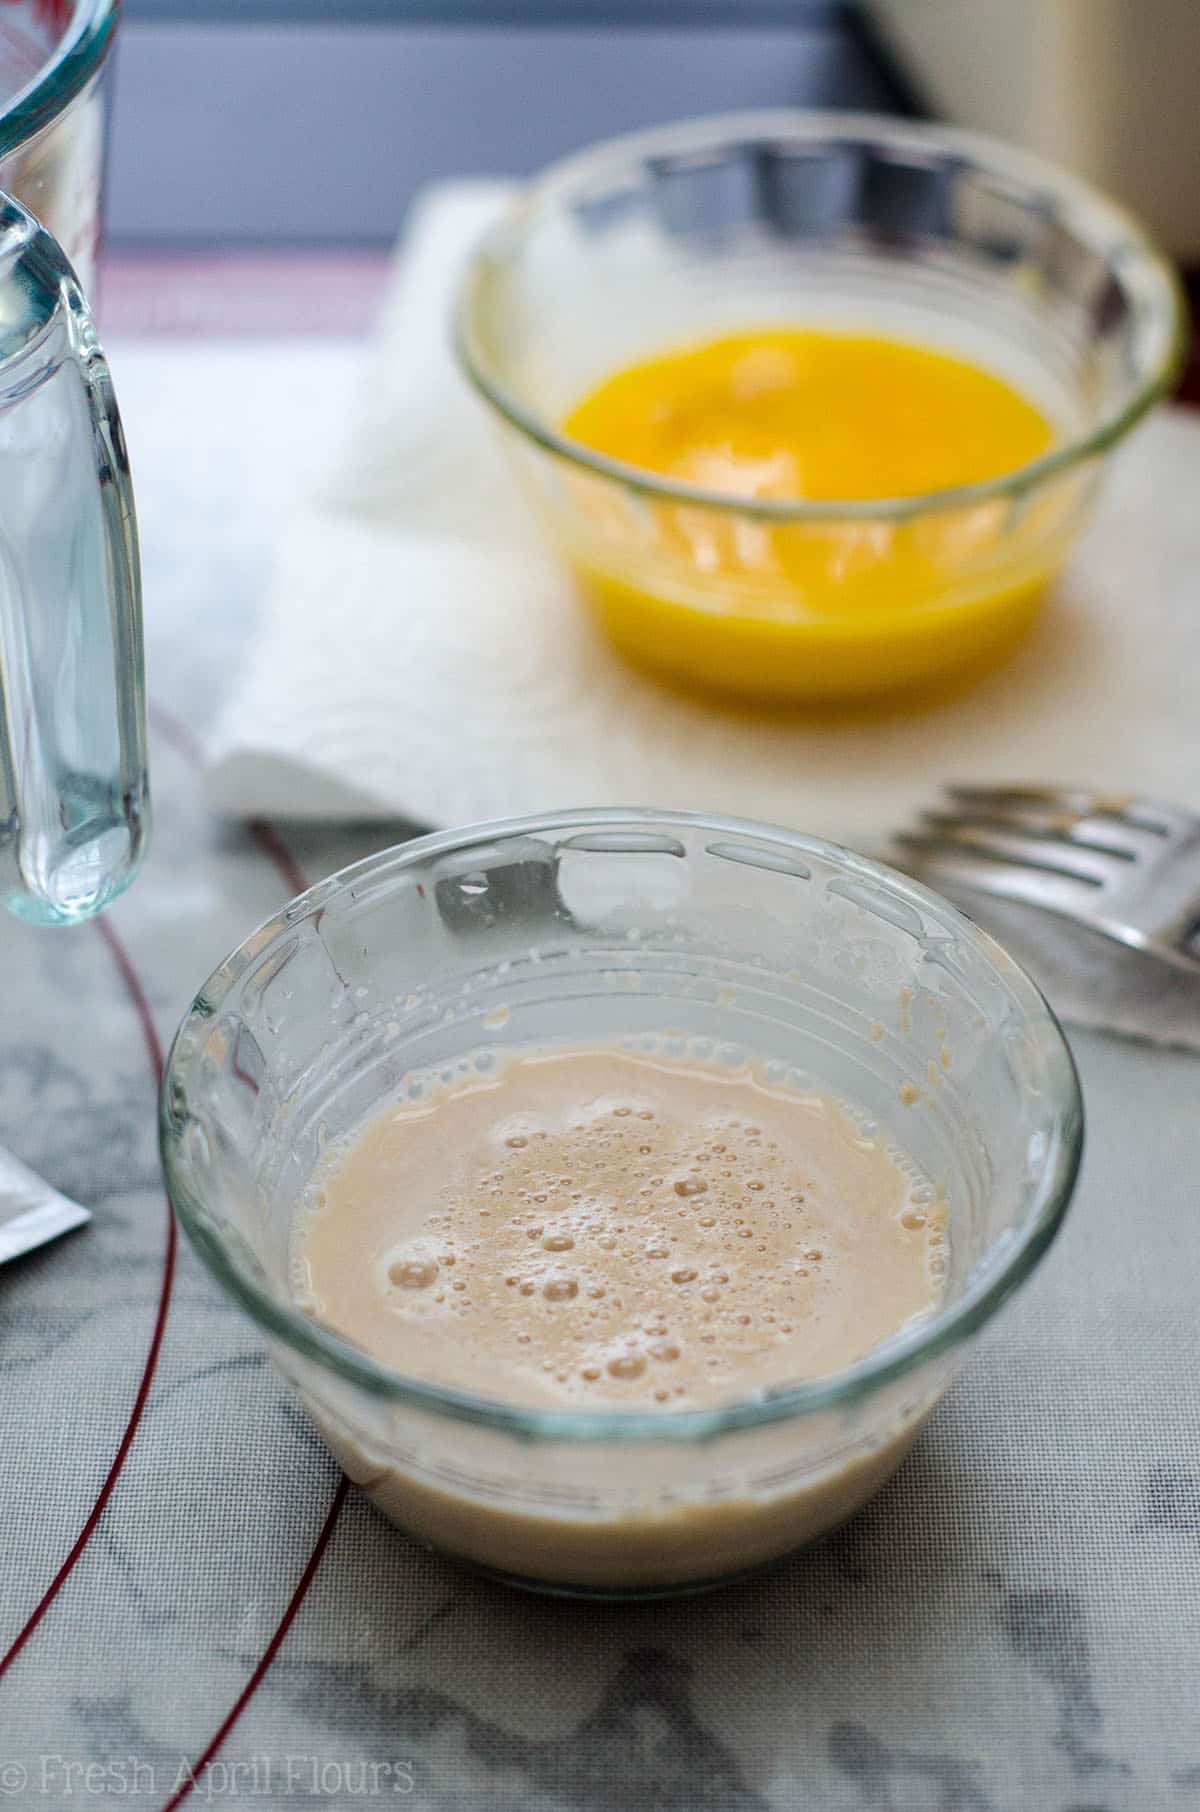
x: 602, y: 1228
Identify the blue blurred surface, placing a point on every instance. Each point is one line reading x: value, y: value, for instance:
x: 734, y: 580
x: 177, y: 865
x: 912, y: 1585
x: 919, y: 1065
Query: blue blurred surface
x: 280, y: 122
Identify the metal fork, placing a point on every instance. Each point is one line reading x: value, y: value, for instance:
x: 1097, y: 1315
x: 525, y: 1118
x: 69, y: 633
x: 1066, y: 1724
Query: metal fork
x: 1123, y: 866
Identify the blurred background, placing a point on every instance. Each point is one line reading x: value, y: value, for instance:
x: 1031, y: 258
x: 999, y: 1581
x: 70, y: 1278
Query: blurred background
x: 302, y: 121
x: 253, y: 132
x: 294, y: 121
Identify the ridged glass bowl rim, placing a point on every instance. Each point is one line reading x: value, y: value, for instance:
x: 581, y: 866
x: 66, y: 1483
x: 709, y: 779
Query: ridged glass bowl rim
x: 1045, y: 1201
x: 1149, y: 274
x: 66, y: 73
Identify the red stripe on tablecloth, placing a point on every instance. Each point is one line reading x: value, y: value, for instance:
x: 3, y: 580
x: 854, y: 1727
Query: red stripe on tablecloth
x: 265, y: 834
x: 273, y: 846
x: 196, y: 1770
x: 172, y: 729
x: 141, y: 1006
x: 277, y: 851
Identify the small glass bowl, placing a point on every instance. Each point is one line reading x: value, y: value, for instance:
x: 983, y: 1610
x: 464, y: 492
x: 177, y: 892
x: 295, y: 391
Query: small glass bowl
x: 612, y: 925
x: 818, y: 219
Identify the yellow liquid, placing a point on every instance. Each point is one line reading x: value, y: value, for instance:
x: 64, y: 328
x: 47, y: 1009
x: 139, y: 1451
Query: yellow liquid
x: 827, y: 608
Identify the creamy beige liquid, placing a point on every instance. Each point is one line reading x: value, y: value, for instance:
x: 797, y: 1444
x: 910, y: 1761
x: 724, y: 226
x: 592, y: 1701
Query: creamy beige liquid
x: 602, y: 1229
x: 595, y: 1228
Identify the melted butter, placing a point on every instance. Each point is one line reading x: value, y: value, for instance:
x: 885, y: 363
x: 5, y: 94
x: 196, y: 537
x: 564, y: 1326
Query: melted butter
x: 805, y: 413
x: 831, y: 608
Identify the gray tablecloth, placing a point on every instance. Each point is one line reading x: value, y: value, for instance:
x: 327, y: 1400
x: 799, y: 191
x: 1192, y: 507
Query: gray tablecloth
x: 1014, y: 1623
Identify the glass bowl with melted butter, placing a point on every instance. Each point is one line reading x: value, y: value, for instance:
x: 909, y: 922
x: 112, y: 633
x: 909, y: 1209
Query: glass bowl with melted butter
x: 813, y: 405
x: 619, y: 1190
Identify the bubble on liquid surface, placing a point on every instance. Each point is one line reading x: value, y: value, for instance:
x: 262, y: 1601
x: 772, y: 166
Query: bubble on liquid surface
x: 556, y: 1171
x: 560, y: 1289
x: 412, y: 1273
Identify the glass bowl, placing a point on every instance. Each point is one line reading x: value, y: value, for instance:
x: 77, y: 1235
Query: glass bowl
x: 53, y: 56
x: 818, y: 219
x: 640, y: 926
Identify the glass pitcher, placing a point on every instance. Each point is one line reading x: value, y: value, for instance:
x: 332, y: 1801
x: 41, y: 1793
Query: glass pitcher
x: 73, y: 790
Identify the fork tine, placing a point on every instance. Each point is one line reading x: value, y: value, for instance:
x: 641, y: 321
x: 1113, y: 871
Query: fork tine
x: 1080, y: 802
x: 953, y: 866
x: 1050, y: 855
x: 1076, y: 799
x: 1056, y: 829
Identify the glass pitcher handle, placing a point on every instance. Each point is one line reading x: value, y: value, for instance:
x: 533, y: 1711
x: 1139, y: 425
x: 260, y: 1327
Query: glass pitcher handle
x: 73, y: 787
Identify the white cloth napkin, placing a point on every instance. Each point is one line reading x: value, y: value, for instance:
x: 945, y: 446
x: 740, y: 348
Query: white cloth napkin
x: 422, y: 657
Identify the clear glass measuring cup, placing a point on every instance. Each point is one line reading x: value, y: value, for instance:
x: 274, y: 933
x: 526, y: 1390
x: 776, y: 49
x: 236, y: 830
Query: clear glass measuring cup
x: 55, y: 73
x: 73, y: 791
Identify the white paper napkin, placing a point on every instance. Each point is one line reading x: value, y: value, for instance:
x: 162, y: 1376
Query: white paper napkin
x: 422, y: 656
